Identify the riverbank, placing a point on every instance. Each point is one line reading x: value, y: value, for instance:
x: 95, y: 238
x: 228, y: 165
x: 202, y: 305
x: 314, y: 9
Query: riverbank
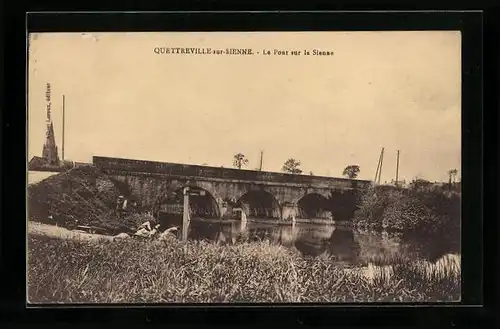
x: 37, y: 176
x: 131, y: 271
x: 52, y: 231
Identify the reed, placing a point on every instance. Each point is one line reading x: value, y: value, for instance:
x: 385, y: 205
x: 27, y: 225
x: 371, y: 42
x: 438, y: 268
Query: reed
x: 131, y: 271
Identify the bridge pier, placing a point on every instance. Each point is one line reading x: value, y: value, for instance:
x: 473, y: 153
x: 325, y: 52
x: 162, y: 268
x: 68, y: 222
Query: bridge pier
x: 289, y: 210
x: 222, y: 208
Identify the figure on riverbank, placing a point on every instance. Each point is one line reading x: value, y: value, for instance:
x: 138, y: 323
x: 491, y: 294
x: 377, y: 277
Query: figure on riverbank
x: 145, y: 230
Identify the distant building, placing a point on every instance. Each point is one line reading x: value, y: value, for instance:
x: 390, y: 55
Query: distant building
x: 50, y: 158
x: 81, y: 164
x: 400, y: 183
x: 37, y: 162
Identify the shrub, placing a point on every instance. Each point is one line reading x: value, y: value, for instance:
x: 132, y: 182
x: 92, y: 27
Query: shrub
x: 405, y: 213
x: 430, y: 211
x: 370, y: 209
x: 80, y: 196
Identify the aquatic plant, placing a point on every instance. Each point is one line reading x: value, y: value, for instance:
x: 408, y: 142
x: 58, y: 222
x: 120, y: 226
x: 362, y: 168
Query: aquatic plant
x: 132, y: 271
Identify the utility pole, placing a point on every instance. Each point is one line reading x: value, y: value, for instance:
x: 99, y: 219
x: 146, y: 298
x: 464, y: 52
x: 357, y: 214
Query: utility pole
x: 185, y: 214
x: 397, y: 170
x: 261, y: 155
x: 63, y: 125
x: 379, y: 167
x: 381, y: 161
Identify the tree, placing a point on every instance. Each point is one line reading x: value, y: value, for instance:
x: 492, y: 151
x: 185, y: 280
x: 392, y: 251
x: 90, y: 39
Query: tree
x: 66, y: 164
x: 311, y: 173
x: 351, y: 171
x: 420, y: 183
x: 240, y: 160
x: 452, y: 173
x: 292, y: 166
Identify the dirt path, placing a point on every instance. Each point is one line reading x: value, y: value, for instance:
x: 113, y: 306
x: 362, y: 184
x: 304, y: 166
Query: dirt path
x: 60, y: 232
x: 38, y: 176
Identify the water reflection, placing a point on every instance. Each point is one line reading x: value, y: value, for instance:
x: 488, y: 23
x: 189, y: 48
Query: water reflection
x: 342, y: 244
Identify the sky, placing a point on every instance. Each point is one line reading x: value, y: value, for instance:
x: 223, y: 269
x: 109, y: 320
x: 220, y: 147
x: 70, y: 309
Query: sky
x: 391, y: 90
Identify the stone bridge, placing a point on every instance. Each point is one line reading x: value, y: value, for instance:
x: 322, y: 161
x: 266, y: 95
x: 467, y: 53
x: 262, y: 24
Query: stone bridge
x: 154, y: 182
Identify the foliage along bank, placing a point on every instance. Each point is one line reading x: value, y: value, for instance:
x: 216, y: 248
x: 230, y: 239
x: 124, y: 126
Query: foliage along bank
x: 431, y: 214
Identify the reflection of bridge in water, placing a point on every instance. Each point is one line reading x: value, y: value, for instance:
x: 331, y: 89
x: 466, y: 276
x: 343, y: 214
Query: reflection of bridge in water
x: 345, y: 245
x: 310, y: 240
x: 260, y: 194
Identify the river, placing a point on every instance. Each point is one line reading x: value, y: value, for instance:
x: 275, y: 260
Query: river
x: 352, y: 246
x: 348, y: 245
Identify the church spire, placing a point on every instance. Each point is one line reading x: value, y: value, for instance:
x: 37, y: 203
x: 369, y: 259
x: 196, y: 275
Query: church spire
x: 49, y: 152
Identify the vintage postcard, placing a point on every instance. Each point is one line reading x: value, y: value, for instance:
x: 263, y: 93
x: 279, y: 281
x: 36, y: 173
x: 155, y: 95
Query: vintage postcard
x: 244, y: 167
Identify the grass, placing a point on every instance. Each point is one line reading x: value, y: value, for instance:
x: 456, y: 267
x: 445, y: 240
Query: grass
x: 131, y: 271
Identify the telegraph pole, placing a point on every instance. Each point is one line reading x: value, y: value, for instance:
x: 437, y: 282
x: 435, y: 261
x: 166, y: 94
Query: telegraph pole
x: 379, y: 166
x: 381, y: 161
x: 63, y: 125
x: 185, y: 214
x: 261, y: 156
x: 397, y: 170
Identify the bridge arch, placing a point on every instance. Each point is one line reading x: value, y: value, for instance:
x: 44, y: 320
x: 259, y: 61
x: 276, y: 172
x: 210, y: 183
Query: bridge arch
x: 205, y: 205
x: 260, y: 203
x: 313, y: 205
x: 207, y: 186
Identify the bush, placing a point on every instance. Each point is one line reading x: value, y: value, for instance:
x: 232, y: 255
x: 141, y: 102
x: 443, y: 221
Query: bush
x: 430, y: 211
x: 370, y: 209
x: 80, y: 196
x: 406, y: 213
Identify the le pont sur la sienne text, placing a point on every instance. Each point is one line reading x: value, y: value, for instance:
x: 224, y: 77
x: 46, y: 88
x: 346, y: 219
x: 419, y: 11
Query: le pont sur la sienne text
x: 237, y: 51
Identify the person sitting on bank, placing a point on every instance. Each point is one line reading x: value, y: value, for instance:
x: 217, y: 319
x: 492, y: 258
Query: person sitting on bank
x: 154, y: 230
x: 146, y: 225
x: 145, y: 230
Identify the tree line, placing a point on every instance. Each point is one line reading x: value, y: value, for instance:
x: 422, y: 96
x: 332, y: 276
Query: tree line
x: 292, y: 166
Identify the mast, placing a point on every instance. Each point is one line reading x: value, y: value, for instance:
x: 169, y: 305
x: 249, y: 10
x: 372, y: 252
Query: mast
x: 261, y: 155
x: 63, y: 125
x: 397, y: 170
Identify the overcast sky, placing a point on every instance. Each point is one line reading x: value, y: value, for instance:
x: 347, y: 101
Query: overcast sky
x: 398, y: 90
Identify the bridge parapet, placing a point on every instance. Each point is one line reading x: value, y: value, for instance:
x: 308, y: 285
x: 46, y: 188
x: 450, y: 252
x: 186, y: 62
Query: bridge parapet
x: 174, y: 169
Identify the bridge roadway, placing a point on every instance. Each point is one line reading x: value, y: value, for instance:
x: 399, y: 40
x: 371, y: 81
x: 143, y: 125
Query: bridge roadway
x: 153, y: 182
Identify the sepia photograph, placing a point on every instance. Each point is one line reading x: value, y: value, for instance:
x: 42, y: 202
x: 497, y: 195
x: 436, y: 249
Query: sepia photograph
x: 244, y: 167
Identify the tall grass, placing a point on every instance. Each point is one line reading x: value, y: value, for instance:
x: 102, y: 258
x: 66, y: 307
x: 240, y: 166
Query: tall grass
x: 129, y: 271
x: 433, y: 277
